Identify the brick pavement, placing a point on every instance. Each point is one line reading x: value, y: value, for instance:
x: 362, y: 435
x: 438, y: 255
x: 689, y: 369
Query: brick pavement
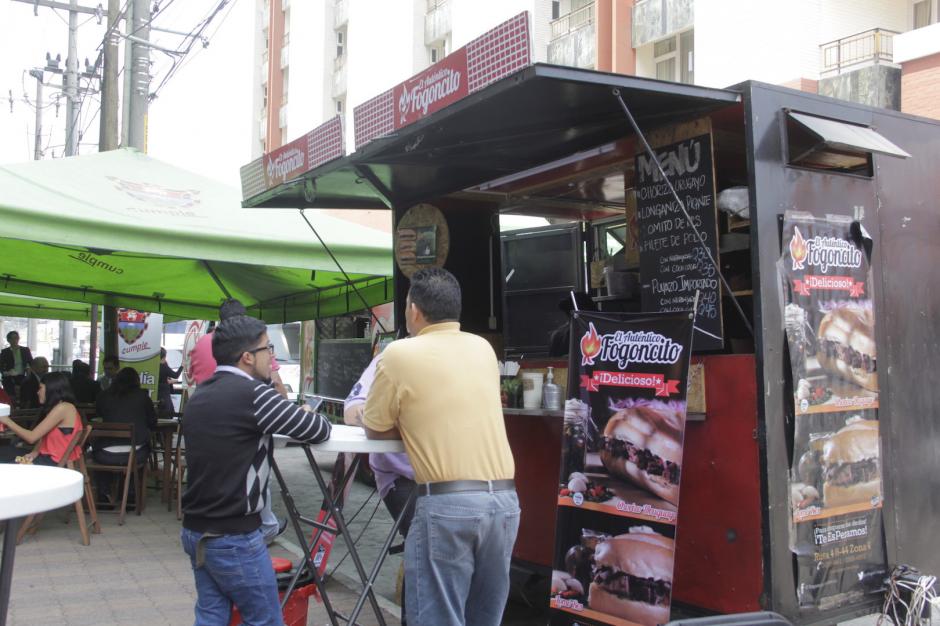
x: 138, y: 574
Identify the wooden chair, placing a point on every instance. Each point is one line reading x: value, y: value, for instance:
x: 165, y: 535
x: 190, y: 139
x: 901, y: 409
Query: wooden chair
x: 31, y: 524
x: 177, y: 470
x: 121, y: 434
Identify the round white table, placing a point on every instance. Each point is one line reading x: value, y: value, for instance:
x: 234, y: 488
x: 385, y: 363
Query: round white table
x: 25, y: 490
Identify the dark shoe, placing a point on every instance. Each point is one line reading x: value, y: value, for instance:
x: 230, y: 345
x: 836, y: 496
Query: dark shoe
x: 281, y: 526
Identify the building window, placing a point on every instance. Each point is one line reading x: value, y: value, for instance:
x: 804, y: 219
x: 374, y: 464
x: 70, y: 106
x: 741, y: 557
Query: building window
x: 664, y: 53
x: 285, y: 84
x: 556, y: 9
x: 340, y: 43
x: 338, y: 106
x: 922, y: 13
x: 675, y: 58
x: 437, y: 51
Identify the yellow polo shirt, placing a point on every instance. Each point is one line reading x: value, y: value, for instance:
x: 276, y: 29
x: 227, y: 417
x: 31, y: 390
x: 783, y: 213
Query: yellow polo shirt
x: 441, y: 389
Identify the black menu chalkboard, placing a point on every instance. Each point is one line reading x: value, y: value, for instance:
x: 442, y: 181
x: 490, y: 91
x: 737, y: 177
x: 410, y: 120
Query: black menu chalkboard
x: 673, y: 263
x: 340, y: 363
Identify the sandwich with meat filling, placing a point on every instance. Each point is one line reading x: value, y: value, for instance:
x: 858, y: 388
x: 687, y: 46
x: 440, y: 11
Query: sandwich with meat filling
x: 846, y: 345
x: 642, y: 444
x: 850, y: 464
x: 632, y: 577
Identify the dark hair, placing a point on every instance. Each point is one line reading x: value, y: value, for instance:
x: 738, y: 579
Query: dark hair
x: 125, y: 381
x: 436, y: 293
x: 230, y: 308
x: 80, y: 369
x: 234, y: 336
x: 162, y: 353
x: 12, y: 334
x: 58, y: 389
x: 112, y: 359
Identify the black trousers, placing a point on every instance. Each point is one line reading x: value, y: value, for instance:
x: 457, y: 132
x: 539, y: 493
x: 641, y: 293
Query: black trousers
x: 395, y: 501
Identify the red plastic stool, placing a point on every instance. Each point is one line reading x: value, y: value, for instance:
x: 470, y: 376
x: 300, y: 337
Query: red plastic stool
x: 295, y: 611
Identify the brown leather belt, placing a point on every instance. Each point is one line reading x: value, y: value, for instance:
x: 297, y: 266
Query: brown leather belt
x: 460, y: 486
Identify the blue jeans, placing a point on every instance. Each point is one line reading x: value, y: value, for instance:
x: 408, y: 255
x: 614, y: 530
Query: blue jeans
x: 237, y: 570
x: 457, y: 558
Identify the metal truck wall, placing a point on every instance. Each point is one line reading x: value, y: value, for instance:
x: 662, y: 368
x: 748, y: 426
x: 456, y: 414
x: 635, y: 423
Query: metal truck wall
x: 899, y: 208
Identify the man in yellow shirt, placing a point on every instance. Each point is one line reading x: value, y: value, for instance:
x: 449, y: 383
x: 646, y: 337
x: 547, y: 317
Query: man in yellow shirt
x: 439, y: 391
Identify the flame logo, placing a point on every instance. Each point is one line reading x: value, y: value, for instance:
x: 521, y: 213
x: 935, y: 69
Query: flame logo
x: 797, y: 249
x: 590, y: 345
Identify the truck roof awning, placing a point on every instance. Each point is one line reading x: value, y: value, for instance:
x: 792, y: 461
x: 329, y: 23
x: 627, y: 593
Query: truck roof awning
x: 845, y: 136
x: 538, y: 115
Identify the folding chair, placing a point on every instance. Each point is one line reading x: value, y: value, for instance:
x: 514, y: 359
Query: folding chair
x: 134, y: 469
x: 31, y: 524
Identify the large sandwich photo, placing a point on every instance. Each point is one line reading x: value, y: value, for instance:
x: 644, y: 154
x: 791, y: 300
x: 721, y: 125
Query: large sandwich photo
x: 643, y: 445
x: 850, y: 464
x: 628, y: 576
x: 843, y: 467
x: 633, y: 577
x: 846, y: 345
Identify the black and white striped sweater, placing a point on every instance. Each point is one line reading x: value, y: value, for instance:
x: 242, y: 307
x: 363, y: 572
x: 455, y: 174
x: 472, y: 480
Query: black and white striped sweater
x: 226, y: 428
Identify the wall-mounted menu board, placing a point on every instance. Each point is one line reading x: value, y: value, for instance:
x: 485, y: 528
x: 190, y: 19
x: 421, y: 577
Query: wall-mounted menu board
x: 673, y: 263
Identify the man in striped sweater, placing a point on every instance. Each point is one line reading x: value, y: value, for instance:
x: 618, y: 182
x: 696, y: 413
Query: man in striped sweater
x: 228, y: 425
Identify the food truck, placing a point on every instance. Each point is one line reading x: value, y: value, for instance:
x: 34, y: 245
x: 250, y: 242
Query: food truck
x: 811, y: 461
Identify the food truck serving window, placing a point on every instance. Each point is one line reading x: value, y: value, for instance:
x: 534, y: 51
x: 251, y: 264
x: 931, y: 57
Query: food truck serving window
x: 834, y: 146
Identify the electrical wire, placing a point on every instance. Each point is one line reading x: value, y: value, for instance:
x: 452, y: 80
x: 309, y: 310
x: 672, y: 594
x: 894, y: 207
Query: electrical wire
x: 907, y: 582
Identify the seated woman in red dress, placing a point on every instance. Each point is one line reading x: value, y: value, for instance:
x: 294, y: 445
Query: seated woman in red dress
x: 59, y: 422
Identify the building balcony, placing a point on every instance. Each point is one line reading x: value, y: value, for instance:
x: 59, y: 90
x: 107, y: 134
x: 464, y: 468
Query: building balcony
x: 340, y: 13
x: 657, y: 19
x: 574, y: 40
x: 437, y: 25
x: 339, y: 77
x: 860, y: 68
x: 917, y: 44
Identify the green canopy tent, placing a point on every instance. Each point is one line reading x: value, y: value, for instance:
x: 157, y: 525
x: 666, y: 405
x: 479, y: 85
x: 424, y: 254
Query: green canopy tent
x: 123, y: 229
x: 13, y: 305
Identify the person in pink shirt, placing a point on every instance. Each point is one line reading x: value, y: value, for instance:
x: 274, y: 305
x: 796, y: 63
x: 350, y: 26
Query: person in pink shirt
x: 202, y: 366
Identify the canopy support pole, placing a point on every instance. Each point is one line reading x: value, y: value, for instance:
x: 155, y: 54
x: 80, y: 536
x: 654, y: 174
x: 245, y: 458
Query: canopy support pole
x: 216, y: 279
x: 685, y: 213
x: 349, y: 281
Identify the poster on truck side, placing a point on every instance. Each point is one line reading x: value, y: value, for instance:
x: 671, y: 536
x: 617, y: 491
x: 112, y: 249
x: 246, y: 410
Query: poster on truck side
x: 618, y: 492
x: 836, y: 474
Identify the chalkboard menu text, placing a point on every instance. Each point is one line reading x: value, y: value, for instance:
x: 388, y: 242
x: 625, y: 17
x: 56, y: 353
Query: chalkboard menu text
x: 673, y: 263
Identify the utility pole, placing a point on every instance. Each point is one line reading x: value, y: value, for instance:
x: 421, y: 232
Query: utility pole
x: 107, y: 140
x: 140, y: 81
x: 128, y: 74
x: 71, y: 84
x: 37, y: 150
x: 108, y: 134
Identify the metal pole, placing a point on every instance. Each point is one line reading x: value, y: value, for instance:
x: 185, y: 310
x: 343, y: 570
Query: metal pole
x: 128, y: 82
x: 71, y: 84
x: 108, y: 135
x: 140, y: 81
x: 93, y: 340
x: 37, y: 150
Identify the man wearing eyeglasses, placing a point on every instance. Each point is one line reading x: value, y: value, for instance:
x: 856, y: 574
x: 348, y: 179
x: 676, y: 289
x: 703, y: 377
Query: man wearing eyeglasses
x: 228, y: 424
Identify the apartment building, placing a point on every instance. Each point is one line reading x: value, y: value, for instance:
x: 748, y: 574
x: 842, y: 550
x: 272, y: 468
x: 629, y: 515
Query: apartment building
x: 319, y: 58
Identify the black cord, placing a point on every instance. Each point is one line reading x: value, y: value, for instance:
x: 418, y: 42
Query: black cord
x: 345, y: 275
x: 688, y: 218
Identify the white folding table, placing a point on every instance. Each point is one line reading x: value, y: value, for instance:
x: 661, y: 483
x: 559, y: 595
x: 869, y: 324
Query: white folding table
x: 25, y: 490
x: 350, y: 440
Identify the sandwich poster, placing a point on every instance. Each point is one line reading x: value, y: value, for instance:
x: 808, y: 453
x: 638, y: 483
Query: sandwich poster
x: 621, y: 464
x: 836, y: 472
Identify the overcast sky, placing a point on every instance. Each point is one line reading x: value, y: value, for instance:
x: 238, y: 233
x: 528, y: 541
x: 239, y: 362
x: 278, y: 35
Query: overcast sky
x: 201, y: 118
